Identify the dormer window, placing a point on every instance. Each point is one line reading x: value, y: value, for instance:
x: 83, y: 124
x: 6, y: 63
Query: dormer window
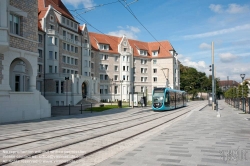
x: 155, y: 53
x: 124, y: 49
x: 143, y: 52
x: 104, y: 47
x: 51, y: 18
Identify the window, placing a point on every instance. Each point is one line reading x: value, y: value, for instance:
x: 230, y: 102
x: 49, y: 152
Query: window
x: 67, y: 22
x: 55, y: 55
x: 124, y: 68
x: 104, y: 47
x: 68, y: 71
x: 50, y: 69
x: 76, y: 62
x: 106, y: 89
x: 76, y: 72
x: 75, y: 25
x: 127, y: 68
x: 116, y: 58
x: 57, y: 86
x: 124, y: 77
x: 72, y: 48
x: 101, y: 77
x: 52, y: 18
x: 123, y: 58
x: 143, y: 70
x: 40, y: 38
x: 155, y: 53
x: 72, y: 61
x: 155, y: 79
x: 71, y: 24
x: 68, y: 59
x: 116, y: 89
x: 55, y: 69
x: 116, y: 68
x: 101, y: 89
x: 39, y: 68
x: 76, y: 38
x: 64, y: 33
x: 50, y: 54
x: 55, y: 41
x: 67, y: 47
x: 143, y: 52
x: 76, y: 49
x: 64, y: 46
x: 116, y: 77
x: 142, y: 89
x: 124, y: 49
x: 92, y: 55
x: 154, y: 61
x: 86, y: 63
x: 92, y: 65
x: 143, y: 79
x: 40, y: 52
x: 72, y: 72
x: 64, y: 70
x: 50, y: 40
x: 106, y: 77
x: 63, y: 20
x: 14, y: 24
x: 143, y: 61
x: 104, y: 57
x: 62, y: 86
x: 154, y: 70
x: 106, y: 67
x: 51, y: 26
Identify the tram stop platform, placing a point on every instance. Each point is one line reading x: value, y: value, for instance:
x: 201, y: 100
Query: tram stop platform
x: 200, y: 139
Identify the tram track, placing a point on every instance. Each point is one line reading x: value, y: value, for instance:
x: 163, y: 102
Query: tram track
x: 42, y: 150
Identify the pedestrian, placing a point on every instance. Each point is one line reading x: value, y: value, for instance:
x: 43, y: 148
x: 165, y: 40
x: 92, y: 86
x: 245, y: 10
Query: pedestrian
x: 142, y: 102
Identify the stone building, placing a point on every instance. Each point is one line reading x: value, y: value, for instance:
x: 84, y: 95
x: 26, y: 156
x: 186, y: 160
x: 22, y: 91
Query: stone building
x: 98, y: 66
x: 19, y: 99
x: 65, y: 71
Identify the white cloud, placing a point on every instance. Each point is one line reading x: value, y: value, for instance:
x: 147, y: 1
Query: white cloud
x: 205, y: 46
x: 232, y: 8
x: 199, y: 66
x: 76, y: 3
x: 219, y: 32
x: 129, y: 31
x: 227, y: 57
x: 216, y: 8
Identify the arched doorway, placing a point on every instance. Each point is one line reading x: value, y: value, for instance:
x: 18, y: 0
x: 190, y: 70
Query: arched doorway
x: 84, y: 90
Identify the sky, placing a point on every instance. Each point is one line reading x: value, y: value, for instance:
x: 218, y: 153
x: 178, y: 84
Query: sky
x: 189, y: 25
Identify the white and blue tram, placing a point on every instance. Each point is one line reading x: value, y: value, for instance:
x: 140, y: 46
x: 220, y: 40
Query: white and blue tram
x: 164, y: 99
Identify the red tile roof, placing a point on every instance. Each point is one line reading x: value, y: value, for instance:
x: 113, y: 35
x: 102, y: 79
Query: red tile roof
x: 162, y: 48
x: 56, y: 4
x: 228, y: 83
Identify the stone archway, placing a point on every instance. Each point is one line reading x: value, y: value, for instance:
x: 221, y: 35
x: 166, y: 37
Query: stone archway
x: 84, y: 90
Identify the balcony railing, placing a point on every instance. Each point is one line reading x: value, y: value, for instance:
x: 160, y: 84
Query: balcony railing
x: 52, y: 32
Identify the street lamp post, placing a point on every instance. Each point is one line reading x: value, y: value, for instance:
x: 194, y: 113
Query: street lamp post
x: 242, y: 76
x: 66, y: 79
x: 121, y: 91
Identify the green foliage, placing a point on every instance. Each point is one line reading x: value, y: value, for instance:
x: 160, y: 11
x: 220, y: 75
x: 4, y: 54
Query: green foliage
x: 106, y: 107
x: 234, y: 92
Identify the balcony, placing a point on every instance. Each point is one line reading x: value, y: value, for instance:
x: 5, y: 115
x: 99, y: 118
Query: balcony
x: 86, y: 45
x: 52, y: 32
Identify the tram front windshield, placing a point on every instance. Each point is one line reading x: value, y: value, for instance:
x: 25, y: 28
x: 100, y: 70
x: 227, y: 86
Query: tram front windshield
x: 158, y: 97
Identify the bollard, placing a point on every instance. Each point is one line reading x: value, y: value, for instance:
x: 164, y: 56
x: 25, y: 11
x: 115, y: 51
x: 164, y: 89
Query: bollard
x: 91, y: 107
x: 69, y: 109
x: 81, y: 108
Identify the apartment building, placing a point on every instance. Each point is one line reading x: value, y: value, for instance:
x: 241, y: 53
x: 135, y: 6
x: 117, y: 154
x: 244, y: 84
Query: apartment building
x: 124, y: 65
x: 65, y: 61
x: 19, y: 99
x: 97, y: 66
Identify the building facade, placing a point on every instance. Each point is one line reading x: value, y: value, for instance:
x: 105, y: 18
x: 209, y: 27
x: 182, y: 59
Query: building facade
x: 76, y: 64
x: 19, y: 98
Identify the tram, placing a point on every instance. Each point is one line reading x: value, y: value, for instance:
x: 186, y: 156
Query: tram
x: 164, y: 99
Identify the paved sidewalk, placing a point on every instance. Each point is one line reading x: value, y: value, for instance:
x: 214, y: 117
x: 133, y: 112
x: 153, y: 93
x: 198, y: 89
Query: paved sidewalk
x: 200, y: 139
